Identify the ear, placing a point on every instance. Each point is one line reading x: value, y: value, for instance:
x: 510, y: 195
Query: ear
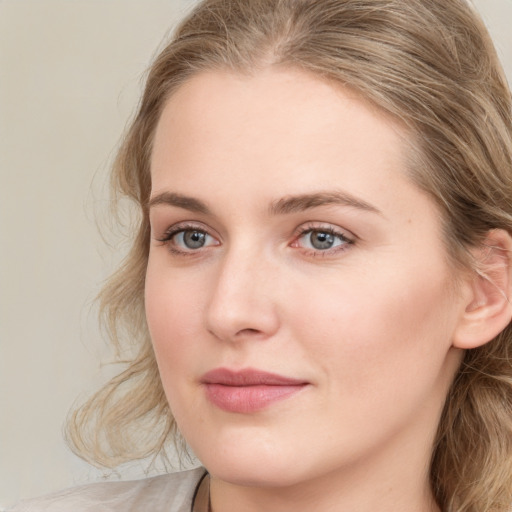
x: 488, y: 307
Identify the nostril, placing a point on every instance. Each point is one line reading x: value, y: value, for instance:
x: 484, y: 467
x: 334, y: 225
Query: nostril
x: 248, y: 332
x: 239, y: 335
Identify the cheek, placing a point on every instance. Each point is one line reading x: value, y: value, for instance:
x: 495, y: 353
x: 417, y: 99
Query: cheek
x: 172, y: 311
x: 173, y: 308
x: 380, y: 346
x: 378, y: 328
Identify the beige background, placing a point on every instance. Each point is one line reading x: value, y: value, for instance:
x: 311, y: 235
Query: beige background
x: 70, y: 74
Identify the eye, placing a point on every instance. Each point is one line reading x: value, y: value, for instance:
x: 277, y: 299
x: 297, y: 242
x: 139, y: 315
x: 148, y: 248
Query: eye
x: 322, y: 239
x: 185, y: 239
x: 191, y: 239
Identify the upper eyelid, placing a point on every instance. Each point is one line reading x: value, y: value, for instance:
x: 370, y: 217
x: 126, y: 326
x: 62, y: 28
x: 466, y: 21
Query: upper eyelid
x: 329, y: 228
x: 325, y: 226
x: 187, y: 226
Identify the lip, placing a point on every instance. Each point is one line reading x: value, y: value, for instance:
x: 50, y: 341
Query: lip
x: 248, y: 390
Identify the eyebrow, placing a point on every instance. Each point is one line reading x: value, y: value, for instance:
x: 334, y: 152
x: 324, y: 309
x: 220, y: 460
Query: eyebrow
x: 286, y: 205
x: 179, y: 200
x: 294, y: 204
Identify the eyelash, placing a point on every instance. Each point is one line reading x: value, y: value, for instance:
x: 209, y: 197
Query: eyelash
x: 168, y: 236
x: 347, y: 242
x: 175, y: 230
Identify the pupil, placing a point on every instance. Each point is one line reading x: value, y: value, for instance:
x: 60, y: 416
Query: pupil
x: 322, y: 240
x: 194, y: 239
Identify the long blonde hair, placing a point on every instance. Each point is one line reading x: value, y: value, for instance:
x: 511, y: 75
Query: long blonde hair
x: 429, y: 63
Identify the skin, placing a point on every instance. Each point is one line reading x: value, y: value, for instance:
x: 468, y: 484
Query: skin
x: 368, y: 324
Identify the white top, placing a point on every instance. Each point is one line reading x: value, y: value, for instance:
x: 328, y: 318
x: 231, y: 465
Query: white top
x: 166, y: 493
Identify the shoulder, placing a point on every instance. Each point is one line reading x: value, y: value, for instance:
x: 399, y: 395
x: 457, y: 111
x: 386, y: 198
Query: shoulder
x: 170, y: 493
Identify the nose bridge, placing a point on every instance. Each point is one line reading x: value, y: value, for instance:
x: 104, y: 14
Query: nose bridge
x: 243, y: 299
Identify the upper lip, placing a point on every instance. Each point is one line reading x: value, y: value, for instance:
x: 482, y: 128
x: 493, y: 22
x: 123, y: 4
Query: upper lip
x: 248, y: 377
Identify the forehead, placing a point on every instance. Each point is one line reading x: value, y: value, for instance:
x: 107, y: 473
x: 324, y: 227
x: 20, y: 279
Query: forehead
x: 268, y: 101
x: 276, y: 120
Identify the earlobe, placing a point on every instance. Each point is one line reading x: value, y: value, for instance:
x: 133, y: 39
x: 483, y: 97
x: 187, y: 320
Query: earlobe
x: 488, y: 309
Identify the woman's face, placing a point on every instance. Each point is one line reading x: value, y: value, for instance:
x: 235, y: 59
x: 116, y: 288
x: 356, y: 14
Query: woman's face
x: 298, y: 293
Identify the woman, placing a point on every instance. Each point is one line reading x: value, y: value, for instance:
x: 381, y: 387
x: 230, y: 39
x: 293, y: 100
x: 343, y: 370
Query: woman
x: 319, y: 287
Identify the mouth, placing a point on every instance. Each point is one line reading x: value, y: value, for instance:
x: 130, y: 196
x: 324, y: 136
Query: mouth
x: 248, y: 390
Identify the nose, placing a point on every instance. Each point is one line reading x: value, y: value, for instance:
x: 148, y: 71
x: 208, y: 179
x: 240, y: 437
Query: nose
x: 244, y: 299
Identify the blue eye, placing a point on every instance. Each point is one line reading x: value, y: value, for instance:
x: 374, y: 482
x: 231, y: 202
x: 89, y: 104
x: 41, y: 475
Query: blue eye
x: 322, y: 239
x: 191, y: 239
x: 184, y: 239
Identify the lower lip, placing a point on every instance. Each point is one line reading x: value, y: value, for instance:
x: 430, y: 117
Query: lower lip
x: 247, y: 399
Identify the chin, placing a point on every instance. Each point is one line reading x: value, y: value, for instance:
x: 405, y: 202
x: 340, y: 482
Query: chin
x: 255, y: 475
x: 252, y: 467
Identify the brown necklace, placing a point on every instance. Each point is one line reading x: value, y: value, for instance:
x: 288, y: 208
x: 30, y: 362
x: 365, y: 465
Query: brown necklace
x: 201, y: 501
